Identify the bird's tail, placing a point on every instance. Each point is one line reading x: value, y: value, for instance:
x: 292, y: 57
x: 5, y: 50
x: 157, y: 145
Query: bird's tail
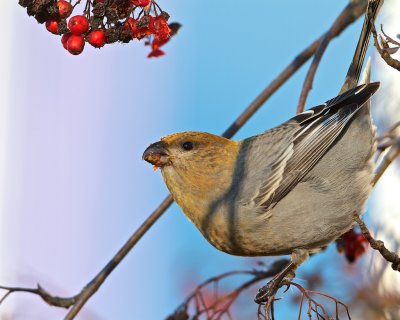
x: 353, y: 74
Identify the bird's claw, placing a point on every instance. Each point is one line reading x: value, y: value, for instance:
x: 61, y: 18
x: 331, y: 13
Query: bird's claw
x: 267, y: 292
x: 287, y: 284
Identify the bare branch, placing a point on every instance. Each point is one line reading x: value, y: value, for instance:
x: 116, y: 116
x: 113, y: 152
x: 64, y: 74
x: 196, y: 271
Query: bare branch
x: 349, y: 14
x: 384, y: 49
x: 307, y: 86
x: 379, y: 245
x: 391, y: 155
x: 97, y: 281
x: 51, y: 300
x: 354, y: 71
x: 221, y: 303
x: 314, y: 306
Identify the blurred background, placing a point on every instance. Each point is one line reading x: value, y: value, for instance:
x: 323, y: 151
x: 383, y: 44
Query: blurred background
x: 73, y: 186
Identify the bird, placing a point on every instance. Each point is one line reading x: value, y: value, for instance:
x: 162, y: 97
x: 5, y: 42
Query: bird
x: 292, y: 189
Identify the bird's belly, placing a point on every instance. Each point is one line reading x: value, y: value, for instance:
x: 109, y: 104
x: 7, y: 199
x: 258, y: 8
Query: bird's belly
x: 311, y: 223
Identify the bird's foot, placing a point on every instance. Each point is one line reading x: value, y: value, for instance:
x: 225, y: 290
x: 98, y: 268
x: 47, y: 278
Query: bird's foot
x: 266, y: 294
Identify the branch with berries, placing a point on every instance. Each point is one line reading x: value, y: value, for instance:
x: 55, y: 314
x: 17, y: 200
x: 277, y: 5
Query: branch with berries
x: 104, y: 22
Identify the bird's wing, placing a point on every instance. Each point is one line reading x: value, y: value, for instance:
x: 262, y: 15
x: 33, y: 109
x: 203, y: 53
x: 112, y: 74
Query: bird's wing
x: 292, y: 149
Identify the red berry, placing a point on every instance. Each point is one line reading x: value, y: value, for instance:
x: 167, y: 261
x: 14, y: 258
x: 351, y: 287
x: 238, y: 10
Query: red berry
x: 97, y: 38
x: 360, y: 238
x: 144, y: 29
x: 158, y: 42
x: 141, y: 3
x: 130, y: 23
x: 141, y: 33
x: 78, y: 25
x: 159, y: 26
x: 64, y: 8
x: 64, y: 39
x: 52, y: 26
x: 353, y: 245
x: 75, y: 44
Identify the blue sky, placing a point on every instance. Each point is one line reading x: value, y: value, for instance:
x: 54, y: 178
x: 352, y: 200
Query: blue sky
x: 75, y: 185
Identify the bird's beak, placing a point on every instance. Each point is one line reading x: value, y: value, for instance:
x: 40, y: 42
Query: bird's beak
x: 156, y: 154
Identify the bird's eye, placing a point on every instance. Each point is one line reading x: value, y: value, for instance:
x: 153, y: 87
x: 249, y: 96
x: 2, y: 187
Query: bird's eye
x: 187, y: 145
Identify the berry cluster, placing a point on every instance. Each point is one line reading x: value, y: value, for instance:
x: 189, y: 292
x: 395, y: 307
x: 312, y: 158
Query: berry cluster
x: 352, y: 244
x: 103, y: 22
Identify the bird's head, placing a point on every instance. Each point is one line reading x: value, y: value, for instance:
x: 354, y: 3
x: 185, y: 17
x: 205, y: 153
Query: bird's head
x: 190, y: 150
x: 194, y: 164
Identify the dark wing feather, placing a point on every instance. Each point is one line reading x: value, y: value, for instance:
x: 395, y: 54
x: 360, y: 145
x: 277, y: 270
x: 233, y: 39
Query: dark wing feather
x: 319, y: 128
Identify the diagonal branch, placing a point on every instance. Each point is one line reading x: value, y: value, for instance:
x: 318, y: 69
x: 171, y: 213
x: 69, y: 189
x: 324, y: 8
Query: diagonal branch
x: 349, y: 14
x: 307, y: 86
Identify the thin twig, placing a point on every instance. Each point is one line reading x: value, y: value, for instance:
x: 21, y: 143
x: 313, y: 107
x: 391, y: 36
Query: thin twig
x: 349, y: 14
x: 383, y: 52
x: 379, y: 245
x: 274, y: 269
x: 354, y: 71
x: 220, y: 306
x: 385, y: 141
x: 307, y: 86
x: 390, y: 156
x: 51, y: 300
x: 313, y: 305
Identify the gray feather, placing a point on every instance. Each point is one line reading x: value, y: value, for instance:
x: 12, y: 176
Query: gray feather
x: 302, y: 141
